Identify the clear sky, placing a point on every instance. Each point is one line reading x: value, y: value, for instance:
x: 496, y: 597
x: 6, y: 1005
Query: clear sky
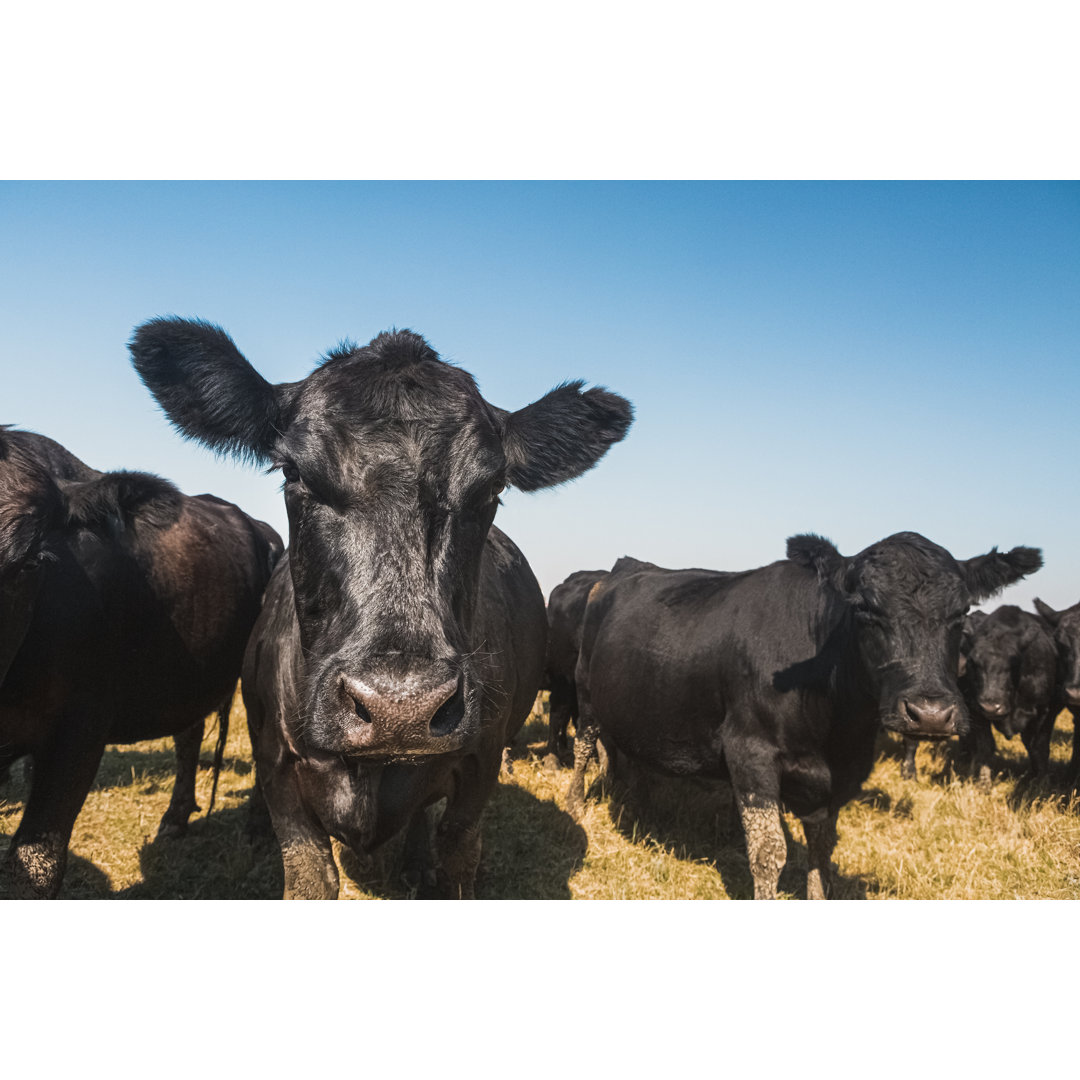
x: 851, y: 359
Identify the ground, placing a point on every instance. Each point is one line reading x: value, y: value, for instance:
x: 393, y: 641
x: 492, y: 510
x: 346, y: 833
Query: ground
x: 935, y: 838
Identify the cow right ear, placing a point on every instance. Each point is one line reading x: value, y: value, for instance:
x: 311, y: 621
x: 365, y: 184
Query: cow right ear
x: 1047, y: 613
x: 816, y: 553
x: 207, y: 388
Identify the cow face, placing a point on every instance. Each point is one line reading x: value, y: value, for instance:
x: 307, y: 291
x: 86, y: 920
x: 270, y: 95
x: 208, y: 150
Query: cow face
x: 908, y: 597
x: 1065, y: 626
x: 392, y: 465
x: 993, y: 669
x: 29, y: 508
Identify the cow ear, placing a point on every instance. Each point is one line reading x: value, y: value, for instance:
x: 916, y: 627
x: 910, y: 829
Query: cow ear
x: 562, y: 435
x: 206, y: 387
x: 988, y: 574
x: 1047, y: 613
x: 816, y: 553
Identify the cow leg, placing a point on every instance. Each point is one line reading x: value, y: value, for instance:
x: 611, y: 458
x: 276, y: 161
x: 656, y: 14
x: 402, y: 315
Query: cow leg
x: 63, y: 773
x: 765, y: 842
x: 909, y: 770
x: 182, y: 805
x: 458, y: 838
x: 560, y: 709
x: 979, y: 744
x: 418, y: 869
x: 1036, y: 740
x: 1074, y: 764
x: 820, y: 843
x: 311, y: 872
x: 584, y: 745
x: 307, y: 856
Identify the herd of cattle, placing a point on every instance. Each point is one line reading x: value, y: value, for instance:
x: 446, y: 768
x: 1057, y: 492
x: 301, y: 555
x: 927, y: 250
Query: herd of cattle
x: 392, y: 653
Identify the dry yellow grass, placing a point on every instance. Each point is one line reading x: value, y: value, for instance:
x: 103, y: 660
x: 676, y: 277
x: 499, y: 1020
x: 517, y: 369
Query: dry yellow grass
x: 938, y: 837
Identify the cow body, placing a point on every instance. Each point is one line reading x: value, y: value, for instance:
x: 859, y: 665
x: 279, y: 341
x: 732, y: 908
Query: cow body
x: 403, y: 641
x: 1010, y: 683
x: 778, y: 679
x: 136, y: 629
x: 565, y: 614
x: 1064, y: 625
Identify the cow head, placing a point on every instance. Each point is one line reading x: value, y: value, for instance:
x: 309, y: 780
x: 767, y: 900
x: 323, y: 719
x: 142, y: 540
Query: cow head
x: 1065, y: 626
x: 908, y: 597
x: 30, y: 507
x: 38, y: 511
x: 392, y: 465
x: 993, y: 665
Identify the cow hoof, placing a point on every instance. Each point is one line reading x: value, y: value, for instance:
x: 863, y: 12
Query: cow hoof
x: 551, y: 761
x: 171, y: 830
x: 909, y: 772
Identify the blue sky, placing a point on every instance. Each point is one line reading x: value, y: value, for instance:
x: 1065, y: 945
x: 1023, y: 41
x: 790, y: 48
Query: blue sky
x: 851, y: 359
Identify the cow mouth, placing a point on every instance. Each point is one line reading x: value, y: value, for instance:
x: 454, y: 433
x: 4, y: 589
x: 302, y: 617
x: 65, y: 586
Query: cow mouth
x: 904, y: 726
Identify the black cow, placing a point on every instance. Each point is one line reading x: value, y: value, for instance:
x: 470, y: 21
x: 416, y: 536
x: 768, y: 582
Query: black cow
x: 1065, y: 626
x: 1010, y: 682
x: 565, y: 612
x: 402, y: 641
x: 778, y: 679
x: 125, y: 608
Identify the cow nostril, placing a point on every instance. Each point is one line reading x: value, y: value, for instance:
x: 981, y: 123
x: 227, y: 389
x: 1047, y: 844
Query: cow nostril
x: 449, y: 715
x: 353, y: 695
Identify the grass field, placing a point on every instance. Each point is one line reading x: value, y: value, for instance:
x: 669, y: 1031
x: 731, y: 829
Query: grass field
x: 937, y: 837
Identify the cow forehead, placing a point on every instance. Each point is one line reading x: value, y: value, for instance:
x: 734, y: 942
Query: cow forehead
x: 361, y: 388
x: 360, y: 416
x: 913, y: 575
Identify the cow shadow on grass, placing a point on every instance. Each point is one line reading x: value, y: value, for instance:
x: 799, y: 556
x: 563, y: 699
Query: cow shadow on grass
x: 122, y: 765
x: 219, y: 858
x: 697, y: 820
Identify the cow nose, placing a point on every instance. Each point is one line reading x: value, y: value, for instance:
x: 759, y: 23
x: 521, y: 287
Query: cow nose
x: 1072, y: 695
x: 932, y: 717
x: 992, y: 708
x: 438, y: 709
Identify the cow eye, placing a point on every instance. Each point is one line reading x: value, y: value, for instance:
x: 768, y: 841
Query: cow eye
x: 498, y: 487
x: 290, y: 472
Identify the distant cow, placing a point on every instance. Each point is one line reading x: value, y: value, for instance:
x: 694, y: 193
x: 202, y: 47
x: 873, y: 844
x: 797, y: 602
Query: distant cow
x: 565, y: 611
x: 125, y: 608
x: 1065, y: 626
x: 778, y: 679
x: 1009, y: 682
x: 402, y: 641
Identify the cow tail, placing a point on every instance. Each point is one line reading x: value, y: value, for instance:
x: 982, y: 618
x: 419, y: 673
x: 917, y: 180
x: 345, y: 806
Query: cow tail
x: 219, y: 748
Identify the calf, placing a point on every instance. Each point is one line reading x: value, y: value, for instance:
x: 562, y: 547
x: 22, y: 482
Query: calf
x: 778, y: 679
x: 125, y: 610
x: 565, y: 612
x: 1065, y: 626
x: 402, y: 641
x: 1009, y: 683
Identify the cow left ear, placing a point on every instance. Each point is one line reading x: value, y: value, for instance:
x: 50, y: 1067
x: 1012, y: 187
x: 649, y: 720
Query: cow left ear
x: 990, y: 573
x: 562, y: 435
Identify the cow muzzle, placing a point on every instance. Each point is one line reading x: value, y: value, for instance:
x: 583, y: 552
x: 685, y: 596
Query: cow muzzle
x: 1072, y: 695
x: 401, y: 719
x: 929, y: 718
